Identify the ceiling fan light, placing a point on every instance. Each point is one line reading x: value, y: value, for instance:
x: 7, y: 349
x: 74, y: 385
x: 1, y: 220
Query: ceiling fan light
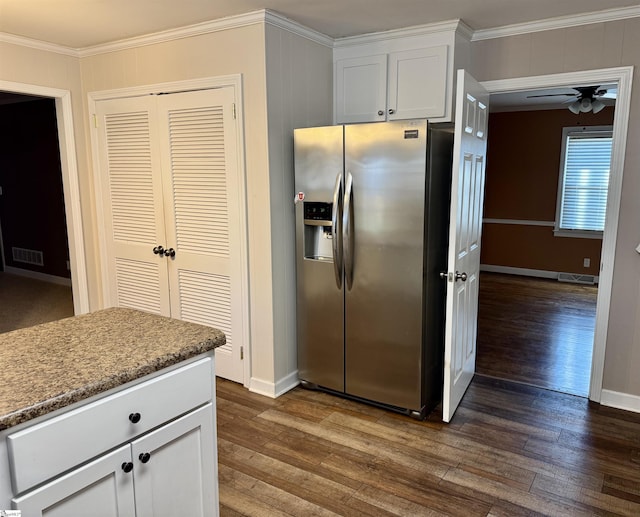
x: 585, y: 105
x: 574, y: 107
x: 597, y: 105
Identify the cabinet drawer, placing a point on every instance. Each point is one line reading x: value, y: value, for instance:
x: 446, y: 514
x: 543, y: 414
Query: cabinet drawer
x: 47, y: 449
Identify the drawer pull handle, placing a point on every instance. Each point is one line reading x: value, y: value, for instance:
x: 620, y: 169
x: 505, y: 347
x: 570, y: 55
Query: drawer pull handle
x: 127, y: 466
x: 134, y: 418
x: 144, y: 457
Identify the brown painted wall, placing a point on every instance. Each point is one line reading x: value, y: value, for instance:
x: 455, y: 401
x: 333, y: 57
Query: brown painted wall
x: 32, y: 202
x: 523, y: 164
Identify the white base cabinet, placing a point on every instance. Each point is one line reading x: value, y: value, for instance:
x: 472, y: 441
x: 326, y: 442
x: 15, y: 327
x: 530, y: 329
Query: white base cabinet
x: 162, y: 469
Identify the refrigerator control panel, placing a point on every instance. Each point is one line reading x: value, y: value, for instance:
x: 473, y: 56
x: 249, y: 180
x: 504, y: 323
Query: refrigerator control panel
x: 316, y: 211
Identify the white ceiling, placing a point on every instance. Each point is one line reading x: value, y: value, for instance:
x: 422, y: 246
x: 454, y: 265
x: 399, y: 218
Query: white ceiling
x: 80, y: 24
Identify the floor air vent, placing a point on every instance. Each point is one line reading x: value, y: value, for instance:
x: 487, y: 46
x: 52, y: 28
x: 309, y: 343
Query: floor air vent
x: 577, y: 279
x: 27, y: 256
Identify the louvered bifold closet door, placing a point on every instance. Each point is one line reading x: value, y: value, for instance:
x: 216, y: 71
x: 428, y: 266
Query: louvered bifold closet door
x: 132, y: 211
x: 201, y: 193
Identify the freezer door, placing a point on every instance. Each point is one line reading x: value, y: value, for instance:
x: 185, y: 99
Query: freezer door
x: 319, y: 162
x: 385, y: 166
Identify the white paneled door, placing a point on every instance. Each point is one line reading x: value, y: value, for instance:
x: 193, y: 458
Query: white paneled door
x: 467, y: 197
x: 171, y: 206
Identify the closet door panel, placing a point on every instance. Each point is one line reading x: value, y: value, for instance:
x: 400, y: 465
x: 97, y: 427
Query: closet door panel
x: 202, y: 209
x: 132, y: 209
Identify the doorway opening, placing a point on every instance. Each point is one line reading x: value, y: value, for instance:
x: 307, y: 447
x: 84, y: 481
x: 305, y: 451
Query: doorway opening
x: 35, y: 280
x: 620, y: 79
x: 70, y: 184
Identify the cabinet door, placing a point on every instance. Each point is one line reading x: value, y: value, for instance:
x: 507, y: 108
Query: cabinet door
x: 131, y: 205
x: 179, y: 476
x: 100, y: 489
x: 361, y: 89
x: 418, y: 83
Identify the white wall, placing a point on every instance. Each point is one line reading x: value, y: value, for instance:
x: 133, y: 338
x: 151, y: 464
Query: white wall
x: 595, y: 46
x: 299, y: 94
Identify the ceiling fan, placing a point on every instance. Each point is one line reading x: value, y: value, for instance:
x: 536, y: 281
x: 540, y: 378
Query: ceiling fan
x: 587, y: 98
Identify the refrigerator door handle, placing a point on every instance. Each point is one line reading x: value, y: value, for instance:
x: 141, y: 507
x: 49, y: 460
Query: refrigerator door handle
x: 347, y: 231
x: 336, y: 231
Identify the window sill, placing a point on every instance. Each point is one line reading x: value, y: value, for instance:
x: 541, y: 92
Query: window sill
x: 578, y: 234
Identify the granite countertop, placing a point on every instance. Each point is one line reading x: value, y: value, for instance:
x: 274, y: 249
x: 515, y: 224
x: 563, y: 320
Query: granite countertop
x: 49, y: 366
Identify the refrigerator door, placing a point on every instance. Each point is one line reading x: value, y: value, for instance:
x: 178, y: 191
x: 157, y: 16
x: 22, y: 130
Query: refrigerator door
x: 384, y: 254
x: 319, y: 162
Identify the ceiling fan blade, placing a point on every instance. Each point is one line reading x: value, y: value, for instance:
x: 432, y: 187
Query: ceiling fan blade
x: 553, y: 95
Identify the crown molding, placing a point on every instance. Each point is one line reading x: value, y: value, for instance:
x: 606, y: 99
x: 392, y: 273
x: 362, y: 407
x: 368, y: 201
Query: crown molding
x: 37, y: 44
x: 277, y: 20
x: 561, y: 22
x: 416, y: 30
x: 197, y: 29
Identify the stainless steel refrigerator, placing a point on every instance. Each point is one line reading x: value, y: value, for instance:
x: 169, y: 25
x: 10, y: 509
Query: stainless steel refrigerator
x: 372, y: 221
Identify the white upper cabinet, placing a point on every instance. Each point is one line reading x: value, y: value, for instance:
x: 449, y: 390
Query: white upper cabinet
x: 361, y: 94
x: 417, y: 86
x: 399, y: 74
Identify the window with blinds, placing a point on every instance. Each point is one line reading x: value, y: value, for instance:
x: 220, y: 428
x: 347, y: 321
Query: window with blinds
x: 584, y: 181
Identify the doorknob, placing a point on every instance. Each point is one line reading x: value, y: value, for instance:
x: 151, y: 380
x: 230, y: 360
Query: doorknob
x: 461, y: 276
x: 170, y: 252
x: 158, y: 250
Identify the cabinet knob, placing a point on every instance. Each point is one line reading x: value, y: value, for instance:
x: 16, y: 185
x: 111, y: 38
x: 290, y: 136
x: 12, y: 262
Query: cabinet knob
x: 134, y: 418
x: 380, y: 112
x: 127, y: 466
x: 170, y: 252
x: 158, y: 250
x: 144, y: 457
x: 392, y: 111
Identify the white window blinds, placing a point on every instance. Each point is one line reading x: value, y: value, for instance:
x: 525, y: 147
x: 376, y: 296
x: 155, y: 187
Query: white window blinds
x: 584, y: 179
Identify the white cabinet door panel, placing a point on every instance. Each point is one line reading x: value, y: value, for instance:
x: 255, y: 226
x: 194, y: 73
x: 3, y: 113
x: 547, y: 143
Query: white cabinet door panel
x: 100, y: 489
x: 361, y: 89
x: 179, y: 476
x: 418, y: 83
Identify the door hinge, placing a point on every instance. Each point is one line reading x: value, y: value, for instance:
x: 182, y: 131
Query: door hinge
x: 233, y: 106
x: 95, y: 120
x: 241, y: 353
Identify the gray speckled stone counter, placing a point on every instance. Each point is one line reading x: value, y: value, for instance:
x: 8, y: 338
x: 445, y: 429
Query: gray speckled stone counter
x: 50, y: 366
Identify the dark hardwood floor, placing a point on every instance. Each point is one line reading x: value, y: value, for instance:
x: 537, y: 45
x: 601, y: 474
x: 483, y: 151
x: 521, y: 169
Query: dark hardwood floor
x: 536, y: 331
x: 510, y: 450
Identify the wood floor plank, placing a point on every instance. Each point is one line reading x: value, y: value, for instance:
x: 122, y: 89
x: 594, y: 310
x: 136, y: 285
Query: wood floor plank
x: 534, y: 502
x: 276, y: 500
x: 572, y: 493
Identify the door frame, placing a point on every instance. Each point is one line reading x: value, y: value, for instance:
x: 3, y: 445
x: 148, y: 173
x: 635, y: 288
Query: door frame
x: 70, y: 185
x: 228, y: 81
x: 622, y: 76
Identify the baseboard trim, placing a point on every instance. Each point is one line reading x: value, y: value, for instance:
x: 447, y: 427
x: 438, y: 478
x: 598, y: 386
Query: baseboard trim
x: 274, y: 390
x: 538, y: 273
x: 619, y: 400
x: 52, y: 279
